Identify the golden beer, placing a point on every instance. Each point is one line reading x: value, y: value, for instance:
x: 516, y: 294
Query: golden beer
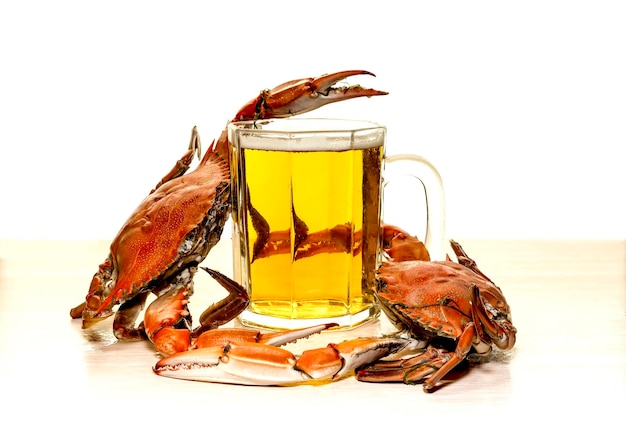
x: 306, y: 225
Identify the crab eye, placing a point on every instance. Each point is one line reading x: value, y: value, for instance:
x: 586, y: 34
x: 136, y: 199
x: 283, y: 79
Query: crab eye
x: 93, y: 302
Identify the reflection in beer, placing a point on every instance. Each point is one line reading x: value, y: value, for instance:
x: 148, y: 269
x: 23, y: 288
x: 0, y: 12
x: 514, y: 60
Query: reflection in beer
x: 338, y: 239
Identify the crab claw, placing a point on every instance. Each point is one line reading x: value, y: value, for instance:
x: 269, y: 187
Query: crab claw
x: 201, y: 364
x: 401, y: 246
x: 260, y: 364
x: 241, y: 363
x: 223, y: 336
x: 337, y: 360
x: 304, y: 95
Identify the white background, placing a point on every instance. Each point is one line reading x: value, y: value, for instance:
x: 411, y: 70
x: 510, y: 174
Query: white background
x: 520, y: 105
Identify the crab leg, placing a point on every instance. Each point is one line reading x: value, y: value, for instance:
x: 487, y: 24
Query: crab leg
x: 228, y: 308
x: 500, y: 332
x: 126, y: 316
x: 408, y: 370
x: 433, y: 364
x: 259, y: 364
x: 167, y: 320
x: 183, y: 164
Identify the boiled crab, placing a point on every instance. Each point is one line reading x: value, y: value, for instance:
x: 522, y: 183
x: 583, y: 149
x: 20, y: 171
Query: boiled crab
x: 451, y: 308
x: 159, y: 248
x: 445, y: 310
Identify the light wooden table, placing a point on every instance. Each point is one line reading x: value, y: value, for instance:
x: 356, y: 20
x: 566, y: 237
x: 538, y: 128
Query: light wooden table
x: 567, y: 369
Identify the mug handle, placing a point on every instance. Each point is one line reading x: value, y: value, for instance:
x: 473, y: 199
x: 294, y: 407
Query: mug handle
x: 421, y: 169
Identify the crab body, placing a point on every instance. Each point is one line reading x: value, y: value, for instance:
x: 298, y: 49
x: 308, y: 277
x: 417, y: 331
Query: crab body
x: 451, y: 308
x: 172, y: 229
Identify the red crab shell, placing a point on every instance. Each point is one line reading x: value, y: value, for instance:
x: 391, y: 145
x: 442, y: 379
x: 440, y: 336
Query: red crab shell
x: 415, y: 295
x: 162, y: 230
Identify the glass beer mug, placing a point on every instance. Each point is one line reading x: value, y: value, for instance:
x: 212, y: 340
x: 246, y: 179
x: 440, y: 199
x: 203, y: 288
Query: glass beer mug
x: 307, y: 204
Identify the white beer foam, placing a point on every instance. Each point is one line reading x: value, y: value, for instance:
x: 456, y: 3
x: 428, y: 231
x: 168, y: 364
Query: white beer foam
x: 309, y: 134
